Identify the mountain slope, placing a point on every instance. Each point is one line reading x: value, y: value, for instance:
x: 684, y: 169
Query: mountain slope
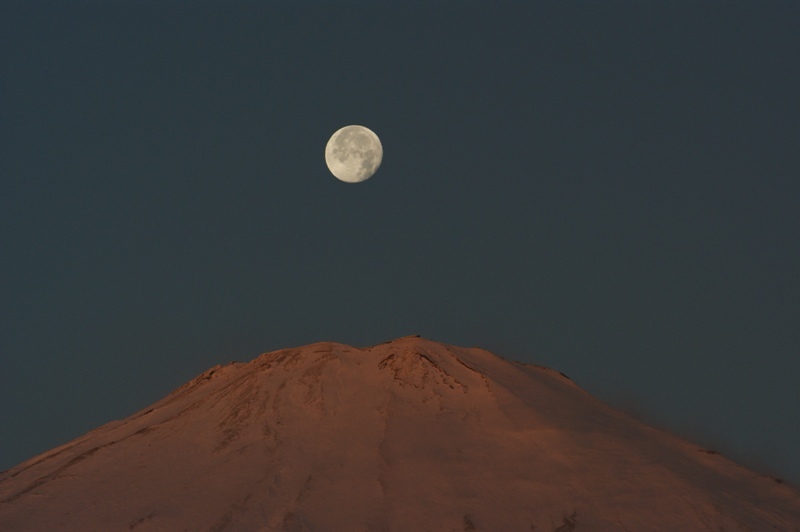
x: 407, y: 435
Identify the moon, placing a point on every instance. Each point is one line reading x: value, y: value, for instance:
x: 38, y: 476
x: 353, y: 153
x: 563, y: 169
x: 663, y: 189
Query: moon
x: 353, y: 154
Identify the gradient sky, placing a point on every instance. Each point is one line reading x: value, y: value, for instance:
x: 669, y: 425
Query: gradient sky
x: 606, y: 188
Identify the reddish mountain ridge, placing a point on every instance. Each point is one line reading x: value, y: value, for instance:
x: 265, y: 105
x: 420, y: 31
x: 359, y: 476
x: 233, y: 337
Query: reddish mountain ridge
x: 406, y: 435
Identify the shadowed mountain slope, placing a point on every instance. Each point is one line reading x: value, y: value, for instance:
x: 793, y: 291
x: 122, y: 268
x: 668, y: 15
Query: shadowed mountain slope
x: 406, y: 435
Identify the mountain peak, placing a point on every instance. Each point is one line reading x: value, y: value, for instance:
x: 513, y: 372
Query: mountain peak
x: 410, y: 434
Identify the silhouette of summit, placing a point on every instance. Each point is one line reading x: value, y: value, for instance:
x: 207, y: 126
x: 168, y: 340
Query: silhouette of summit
x: 407, y: 435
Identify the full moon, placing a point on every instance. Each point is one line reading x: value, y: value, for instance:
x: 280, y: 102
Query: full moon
x: 353, y: 154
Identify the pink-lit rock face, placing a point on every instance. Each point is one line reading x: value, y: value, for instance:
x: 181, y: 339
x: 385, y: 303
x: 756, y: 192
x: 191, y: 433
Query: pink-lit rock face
x: 406, y: 435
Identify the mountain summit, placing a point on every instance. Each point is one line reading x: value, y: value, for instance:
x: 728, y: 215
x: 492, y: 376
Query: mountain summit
x: 406, y: 435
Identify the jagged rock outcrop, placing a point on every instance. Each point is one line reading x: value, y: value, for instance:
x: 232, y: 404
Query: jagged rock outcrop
x: 406, y: 435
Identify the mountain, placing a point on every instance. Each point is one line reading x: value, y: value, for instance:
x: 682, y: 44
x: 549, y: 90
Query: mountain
x: 409, y: 435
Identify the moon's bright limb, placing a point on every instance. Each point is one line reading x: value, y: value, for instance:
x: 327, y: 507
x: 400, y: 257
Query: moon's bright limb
x: 353, y: 154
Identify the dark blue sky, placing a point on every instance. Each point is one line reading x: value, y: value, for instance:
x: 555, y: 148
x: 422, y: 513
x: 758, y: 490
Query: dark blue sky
x: 606, y: 188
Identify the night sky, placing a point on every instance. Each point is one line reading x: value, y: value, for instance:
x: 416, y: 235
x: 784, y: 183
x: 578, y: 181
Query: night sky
x: 610, y: 189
